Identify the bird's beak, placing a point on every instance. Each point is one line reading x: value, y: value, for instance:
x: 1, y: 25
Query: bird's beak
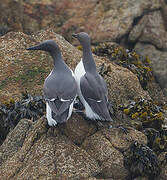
x: 38, y: 47
x: 74, y: 35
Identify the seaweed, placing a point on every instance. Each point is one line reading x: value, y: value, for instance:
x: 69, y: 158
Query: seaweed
x: 136, y: 63
x: 11, y: 112
x: 148, y: 117
x: 144, y: 113
x: 140, y: 160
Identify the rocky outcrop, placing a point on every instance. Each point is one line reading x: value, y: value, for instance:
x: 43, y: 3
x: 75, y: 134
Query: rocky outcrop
x: 27, y: 70
x: 42, y: 153
x: 108, y: 20
x: 158, y: 62
x: 77, y: 149
x: 125, y: 22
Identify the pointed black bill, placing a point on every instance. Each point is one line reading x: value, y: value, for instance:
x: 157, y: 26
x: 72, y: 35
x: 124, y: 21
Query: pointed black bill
x: 38, y: 47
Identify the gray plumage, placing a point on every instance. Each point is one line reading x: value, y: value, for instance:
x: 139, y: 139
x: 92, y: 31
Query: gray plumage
x: 92, y: 88
x: 59, y: 87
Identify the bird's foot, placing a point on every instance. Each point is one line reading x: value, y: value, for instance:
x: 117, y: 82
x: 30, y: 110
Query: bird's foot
x: 51, y: 122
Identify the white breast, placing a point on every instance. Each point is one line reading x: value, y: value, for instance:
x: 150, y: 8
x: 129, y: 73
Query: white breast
x: 79, y: 72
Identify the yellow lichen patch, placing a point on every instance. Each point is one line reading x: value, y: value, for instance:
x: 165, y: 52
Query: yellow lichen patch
x: 126, y: 111
x: 147, y: 60
x: 79, y: 48
x: 143, y: 115
x: 135, y: 115
x: 12, y: 101
x: 158, y: 140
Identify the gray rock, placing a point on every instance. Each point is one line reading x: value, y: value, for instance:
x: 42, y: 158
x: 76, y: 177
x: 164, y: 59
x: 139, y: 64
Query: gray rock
x: 158, y: 62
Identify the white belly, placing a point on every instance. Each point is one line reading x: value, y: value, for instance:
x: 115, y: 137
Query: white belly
x: 79, y: 72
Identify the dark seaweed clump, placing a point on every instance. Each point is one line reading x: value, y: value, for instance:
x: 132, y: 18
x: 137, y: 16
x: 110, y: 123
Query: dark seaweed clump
x: 157, y: 139
x: 30, y: 107
x: 148, y: 116
x: 144, y: 113
x: 140, y: 160
x: 136, y: 63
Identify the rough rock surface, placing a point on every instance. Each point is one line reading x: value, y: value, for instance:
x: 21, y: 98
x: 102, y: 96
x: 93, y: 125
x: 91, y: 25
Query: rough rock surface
x: 124, y: 22
x: 163, y: 159
x: 151, y: 30
x: 108, y: 20
x: 158, y: 63
x: 46, y: 154
x: 151, y: 37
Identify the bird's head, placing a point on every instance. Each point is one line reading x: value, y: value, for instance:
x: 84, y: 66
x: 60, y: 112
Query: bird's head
x: 82, y: 37
x: 49, y: 46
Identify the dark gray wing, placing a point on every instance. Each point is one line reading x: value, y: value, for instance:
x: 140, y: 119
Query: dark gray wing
x: 94, y: 90
x: 60, y: 91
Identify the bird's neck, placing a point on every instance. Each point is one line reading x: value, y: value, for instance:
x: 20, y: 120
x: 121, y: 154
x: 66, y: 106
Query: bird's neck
x: 58, y: 61
x: 88, y: 60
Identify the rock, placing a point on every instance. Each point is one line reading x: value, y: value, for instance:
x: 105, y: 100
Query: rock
x: 108, y: 21
x: 10, y: 18
x: 111, y: 20
x: 151, y: 30
x: 110, y: 159
x: 163, y: 159
x: 45, y: 155
x: 122, y: 140
x: 110, y: 144
x: 27, y: 70
x: 14, y: 140
x: 77, y: 128
x: 164, y: 12
x: 158, y: 62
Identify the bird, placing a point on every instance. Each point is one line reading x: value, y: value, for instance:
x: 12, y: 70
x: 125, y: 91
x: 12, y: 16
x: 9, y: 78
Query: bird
x: 59, y: 88
x: 91, y: 87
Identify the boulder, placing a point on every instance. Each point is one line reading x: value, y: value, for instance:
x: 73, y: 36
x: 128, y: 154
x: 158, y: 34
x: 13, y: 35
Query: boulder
x: 108, y: 21
x: 32, y: 151
x: 151, y: 30
x: 109, y: 158
x: 158, y: 62
x: 46, y: 155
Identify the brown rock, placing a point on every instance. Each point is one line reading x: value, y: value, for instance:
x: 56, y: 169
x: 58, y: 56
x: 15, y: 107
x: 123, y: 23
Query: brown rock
x: 77, y: 129
x: 154, y: 31
x: 44, y: 155
x: 14, y: 140
x: 121, y: 140
x: 22, y: 69
x: 108, y: 20
x: 11, y: 15
x: 110, y: 159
